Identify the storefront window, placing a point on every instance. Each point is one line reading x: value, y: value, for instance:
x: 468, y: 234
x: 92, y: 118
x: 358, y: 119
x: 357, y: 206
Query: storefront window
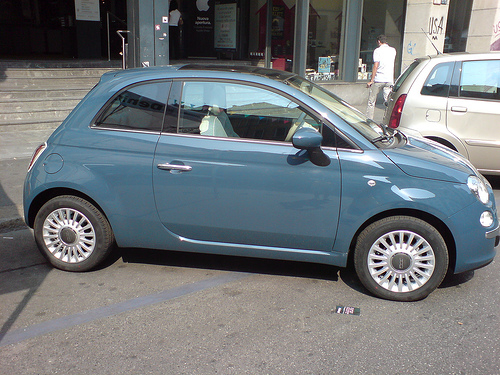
x: 325, y: 27
x: 282, y: 32
x: 457, y: 27
x: 323, y: 49
x: 380, y: 17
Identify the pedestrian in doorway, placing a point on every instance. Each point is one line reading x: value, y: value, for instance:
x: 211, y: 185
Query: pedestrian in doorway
x: 174, y: 23
x: 382, y: 74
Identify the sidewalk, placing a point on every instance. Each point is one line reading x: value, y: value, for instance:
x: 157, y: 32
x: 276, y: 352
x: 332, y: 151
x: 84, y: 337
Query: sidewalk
x: 16, y: 148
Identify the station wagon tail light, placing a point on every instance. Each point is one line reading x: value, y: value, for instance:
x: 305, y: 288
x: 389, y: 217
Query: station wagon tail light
x: 36, y: 155
x: 397, y: 111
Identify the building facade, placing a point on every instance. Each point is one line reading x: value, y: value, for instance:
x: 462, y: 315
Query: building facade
x: 327, y: 40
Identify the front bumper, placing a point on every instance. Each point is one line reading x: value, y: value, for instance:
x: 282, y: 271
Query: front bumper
x: 495, y: 233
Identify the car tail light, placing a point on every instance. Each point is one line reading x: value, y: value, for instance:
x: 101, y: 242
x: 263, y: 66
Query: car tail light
x: 397, y: 111
x: 36, y: 155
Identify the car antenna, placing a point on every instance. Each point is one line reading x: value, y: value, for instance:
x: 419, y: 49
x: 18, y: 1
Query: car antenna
x: 438, y: 52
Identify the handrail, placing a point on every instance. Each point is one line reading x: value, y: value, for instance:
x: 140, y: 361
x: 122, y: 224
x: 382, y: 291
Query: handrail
x: 115, y: 17
x: 124, y: 52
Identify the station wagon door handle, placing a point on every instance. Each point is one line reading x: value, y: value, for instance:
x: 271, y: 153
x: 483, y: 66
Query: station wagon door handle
x: 174, y: 167
x: 459, y: 109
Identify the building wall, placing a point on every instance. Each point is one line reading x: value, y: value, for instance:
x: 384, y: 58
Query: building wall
x: 424, y: 20
x: 484, y: 29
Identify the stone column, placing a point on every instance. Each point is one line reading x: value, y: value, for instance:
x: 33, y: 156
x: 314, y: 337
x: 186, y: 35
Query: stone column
x: 425, y: 23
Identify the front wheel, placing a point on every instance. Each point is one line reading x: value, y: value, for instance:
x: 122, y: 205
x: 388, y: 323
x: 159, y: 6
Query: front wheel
x: 401, y: 258
x: 72, y: 233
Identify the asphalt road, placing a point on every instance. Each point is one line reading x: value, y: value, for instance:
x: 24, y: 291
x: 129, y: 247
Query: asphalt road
x: 151, y: 312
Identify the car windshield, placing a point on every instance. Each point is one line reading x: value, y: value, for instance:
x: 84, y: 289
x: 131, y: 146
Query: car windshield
x: 367, y: 127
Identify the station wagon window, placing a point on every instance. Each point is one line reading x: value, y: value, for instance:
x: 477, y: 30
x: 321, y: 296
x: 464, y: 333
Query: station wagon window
x: 480, y: 79
x: 438, y: 82
x: 240, y: 111
x: 140, y: 107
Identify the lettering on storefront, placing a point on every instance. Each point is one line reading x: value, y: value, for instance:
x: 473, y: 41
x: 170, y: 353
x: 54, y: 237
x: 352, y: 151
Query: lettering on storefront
x: 203, y: 24
x: 436, y: 27
x: 495, y: 37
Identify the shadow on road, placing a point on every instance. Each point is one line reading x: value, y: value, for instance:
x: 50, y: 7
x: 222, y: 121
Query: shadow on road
x: 230, y: 263
x: 263, y: 266
x: 494, y: 181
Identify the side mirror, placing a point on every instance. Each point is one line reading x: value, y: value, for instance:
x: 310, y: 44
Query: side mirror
x: 310, y: 139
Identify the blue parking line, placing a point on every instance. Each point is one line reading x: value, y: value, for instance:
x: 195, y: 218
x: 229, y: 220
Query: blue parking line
x: 64, y: 322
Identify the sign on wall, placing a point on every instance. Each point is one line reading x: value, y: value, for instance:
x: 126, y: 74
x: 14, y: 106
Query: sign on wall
x: 225, y: 26
x: 87, y: 10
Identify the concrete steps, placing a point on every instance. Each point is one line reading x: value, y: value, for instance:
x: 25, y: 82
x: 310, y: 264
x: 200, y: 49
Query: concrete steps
x: 41, y: 98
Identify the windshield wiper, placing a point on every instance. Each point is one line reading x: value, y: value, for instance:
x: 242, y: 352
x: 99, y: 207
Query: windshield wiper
x: 388, y: 134
x: 384, y: 137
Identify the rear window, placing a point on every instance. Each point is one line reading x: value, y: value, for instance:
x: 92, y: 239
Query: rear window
x: 140, y: 108
x: 402, y: 78
x: 480, y: 79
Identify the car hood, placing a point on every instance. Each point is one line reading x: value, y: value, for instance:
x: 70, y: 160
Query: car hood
x: 424, y: 158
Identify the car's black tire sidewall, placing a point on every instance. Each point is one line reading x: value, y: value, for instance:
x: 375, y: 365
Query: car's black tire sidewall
x: 374, y: 231
x: 104, y: 241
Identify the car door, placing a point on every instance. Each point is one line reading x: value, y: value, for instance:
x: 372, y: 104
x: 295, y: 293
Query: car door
x: 473, y: 114
x: 246, y: 184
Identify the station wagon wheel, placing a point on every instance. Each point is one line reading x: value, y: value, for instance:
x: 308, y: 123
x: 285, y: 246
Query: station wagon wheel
x: 401, y: 258
x: 72, y: 233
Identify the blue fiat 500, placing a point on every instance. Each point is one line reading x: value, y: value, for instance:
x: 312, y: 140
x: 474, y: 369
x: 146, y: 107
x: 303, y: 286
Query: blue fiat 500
x: 258, y: 163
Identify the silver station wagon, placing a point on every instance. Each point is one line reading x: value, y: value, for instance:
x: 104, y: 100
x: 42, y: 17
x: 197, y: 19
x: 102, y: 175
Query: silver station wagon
x: 453, y: 99
x: 252, y: 162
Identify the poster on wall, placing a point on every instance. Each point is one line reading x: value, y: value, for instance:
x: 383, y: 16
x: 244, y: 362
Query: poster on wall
x: 225, y: 26
x: 198, y: 28
x: 87, y: 10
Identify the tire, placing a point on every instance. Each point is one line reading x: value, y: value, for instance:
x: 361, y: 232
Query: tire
x: 72, y: 234
x: 401, y: 258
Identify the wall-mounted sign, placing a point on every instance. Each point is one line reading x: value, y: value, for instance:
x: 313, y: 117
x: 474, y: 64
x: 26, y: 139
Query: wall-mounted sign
x: 225, y: 26
x: 87, y: 10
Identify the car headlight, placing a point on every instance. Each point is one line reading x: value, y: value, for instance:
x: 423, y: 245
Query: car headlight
x: 478, y: 187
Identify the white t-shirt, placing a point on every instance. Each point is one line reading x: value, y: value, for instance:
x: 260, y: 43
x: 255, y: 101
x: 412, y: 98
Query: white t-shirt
x: 175, y: 16
x: 385, y: 56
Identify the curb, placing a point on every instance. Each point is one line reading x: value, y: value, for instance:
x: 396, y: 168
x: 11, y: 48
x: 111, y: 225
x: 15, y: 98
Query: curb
x: 12, y: 224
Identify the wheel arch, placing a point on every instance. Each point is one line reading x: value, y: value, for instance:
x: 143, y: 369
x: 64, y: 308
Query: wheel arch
x: 440, y: 226
x: 48, y: 194
x: 443, y: 141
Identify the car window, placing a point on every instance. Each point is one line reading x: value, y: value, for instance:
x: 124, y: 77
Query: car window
x: 349, y: 114
x: 438, y: 81
x: 240, y: 111
x: 402, y: 78
x: 139, y: 107
x: 480, y: 79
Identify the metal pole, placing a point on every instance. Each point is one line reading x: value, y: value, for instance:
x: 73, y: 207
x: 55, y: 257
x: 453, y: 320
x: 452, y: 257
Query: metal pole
x: 107, y: 26
x: 269, y: 21
x: 301, y: 37
x: 352, y: 19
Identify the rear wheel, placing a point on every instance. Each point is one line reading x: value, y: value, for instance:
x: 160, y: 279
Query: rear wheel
x: 401, y: 258
x: 72, y: 233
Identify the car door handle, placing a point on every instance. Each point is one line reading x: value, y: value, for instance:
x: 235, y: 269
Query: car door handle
x: 459, y: 109
x: 174, y: 167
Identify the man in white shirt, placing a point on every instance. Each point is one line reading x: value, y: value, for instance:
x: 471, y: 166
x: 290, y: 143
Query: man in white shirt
x: 382, y: 74
x: 175, y: 23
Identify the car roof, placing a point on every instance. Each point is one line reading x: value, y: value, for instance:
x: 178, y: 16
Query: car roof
x: 195, y: 70
x: 463, y: 56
